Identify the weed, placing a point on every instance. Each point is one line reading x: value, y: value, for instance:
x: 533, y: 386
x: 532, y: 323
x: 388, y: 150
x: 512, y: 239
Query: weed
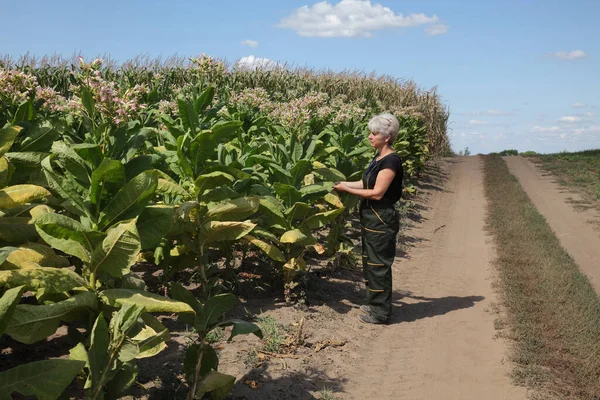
x: 327, y: 394
x: 274, y: 333
x: 215, y: 335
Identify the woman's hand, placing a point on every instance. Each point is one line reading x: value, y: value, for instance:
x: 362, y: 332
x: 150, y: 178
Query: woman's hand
x: 339, y: 186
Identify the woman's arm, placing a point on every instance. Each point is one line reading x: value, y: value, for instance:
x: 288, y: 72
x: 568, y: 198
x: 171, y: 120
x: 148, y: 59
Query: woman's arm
x: 354, y: 185
x: 384, y: 179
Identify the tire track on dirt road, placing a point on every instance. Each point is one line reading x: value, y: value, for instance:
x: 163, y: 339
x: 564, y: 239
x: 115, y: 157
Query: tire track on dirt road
x: 441, y: 342
x: 572, y: 228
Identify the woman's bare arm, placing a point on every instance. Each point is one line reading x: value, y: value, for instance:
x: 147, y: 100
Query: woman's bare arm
x: 383, y: 182
x: 354, y: 185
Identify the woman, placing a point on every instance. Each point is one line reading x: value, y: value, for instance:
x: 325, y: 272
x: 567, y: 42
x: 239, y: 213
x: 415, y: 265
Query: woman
x: 380, y: 189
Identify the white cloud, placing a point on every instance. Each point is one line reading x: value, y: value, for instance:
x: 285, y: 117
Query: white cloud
x: 542, y: 129
x: 352, y: 18
x: 570, y: 118
x: 589, y: 114
x: 478, y: 122
x: 251, y: 43
x: 573, y: 55
x: 578, y: 105
x: 594, y: 129
x: 437, y: 29
x: 251, y: 63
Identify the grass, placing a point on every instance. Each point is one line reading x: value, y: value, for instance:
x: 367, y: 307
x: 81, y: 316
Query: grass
x: 273, y: 333
x: 327, y: 394
x: 576, y: 170
x: 553, y: 313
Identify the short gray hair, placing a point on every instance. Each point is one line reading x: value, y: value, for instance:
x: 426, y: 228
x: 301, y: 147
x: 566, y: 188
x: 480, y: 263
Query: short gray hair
x: 386, y: 125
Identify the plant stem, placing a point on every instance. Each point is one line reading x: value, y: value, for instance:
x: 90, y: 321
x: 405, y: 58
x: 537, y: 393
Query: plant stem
x: 194, y: 387
x: 93, y: 280
x: 107, y: 368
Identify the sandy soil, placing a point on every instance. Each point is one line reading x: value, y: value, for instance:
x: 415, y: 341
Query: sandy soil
x: 575, y: 227
x: 441, y: 343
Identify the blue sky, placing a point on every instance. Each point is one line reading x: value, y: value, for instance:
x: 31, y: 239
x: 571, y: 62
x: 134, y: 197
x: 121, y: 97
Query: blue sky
x: 515, y: 74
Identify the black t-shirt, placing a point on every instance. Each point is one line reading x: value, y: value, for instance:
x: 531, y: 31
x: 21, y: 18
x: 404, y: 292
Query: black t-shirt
x: 391, y: 161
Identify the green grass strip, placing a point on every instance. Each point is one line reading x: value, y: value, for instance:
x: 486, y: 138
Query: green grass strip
x: 552, y: 310
x: 580, y: 170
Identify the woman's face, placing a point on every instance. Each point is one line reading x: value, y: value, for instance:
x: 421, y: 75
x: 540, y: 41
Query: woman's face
x: 377, y: 140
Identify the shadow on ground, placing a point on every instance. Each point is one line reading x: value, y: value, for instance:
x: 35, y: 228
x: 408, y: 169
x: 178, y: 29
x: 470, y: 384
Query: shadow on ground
x: 427, y: 307
x: 295, y: 385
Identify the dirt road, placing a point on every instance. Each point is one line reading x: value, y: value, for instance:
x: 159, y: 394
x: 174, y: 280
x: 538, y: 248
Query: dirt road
x: 441, y: 344
x: 574, y: 229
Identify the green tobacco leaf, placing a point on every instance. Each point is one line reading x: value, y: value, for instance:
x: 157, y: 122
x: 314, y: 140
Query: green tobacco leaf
x: 233, y: 210
x: 188, y: 115
x: 6, y: 170
x: 272, y: 209
x: 150, y: 342
x: 319, y: 220
x: 98, y: 353
x: 241, y: 328
x: 212, y: 180
x: 271, y: 250
x: 39, y: 137
x: 131, y: 200
x: 126, y: 318
x: 289, y: 194
x: 88, y: 101
x: 109, y: 175
x: 222, y: 231
x: 33, y: 323
x: 219, y: 194
x: 13, y: 196
x: 66, y: 234
x: 17, y: 230
x: 66, y: 188
x: 33, y: 252
x: 44, y: 379
x: 299, y: 211
x: 217, y: 384
x: 8, y: 304
x: 8, y: 135
x: 299, y: 170
x: 90, y: 154
x: 25, y: 112
x: 124, y: 378
x: 223, y: 130
x: 317, y: 189
x: 180, y: 293
x: 334, y: 200
x: 150, y: 301
x: 204, y: 100
x: 4, y: 253
x: 154, y: 223
x: 296, y: 236
x: 216, y: 307
x: 52, y: 280
x: 168, y: 187
x: 329, y: 174
x: 118, y: 250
